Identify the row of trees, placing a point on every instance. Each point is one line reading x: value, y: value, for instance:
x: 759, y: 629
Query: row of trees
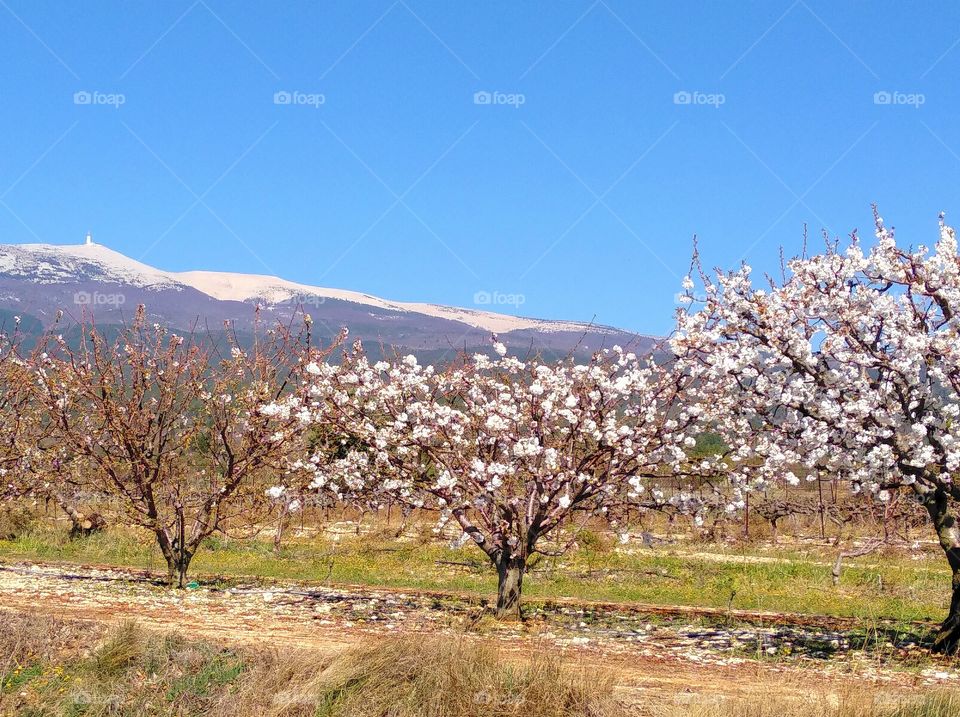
x: 848, y: 367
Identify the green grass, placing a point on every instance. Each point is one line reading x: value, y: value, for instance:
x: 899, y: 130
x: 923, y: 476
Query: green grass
x: 221, y: 670
x: 20, y: 676
x: 894, y: 587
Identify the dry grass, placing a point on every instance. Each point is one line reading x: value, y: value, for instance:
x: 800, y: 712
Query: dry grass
x: 862, y: 703
x: 58, y: 668
x: 120, y: 650
x: 440, y: 677
x: 54, y: 667
x: 27, y: 639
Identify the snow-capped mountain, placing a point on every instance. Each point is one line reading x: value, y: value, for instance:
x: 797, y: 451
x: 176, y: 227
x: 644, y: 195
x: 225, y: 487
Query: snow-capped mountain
x: 38, y: 280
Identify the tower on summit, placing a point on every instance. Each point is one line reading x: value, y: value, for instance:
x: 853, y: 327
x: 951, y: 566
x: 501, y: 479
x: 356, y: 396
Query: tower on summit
x: 89, y: 239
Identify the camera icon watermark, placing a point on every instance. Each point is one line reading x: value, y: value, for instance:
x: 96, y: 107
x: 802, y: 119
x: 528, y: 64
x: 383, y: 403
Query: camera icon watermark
x: 510, y: 99
x: 908, y: 99
x: 301, y: 99
x: 498, y: 298
x: 87, y: 298
x: 106, y: 99
x: 708, y: 99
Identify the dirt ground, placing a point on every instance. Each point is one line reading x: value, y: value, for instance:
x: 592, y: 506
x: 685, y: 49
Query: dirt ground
x: 653, y: 655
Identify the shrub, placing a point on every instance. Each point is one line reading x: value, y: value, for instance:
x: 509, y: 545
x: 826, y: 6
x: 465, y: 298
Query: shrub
x: 15, y: 521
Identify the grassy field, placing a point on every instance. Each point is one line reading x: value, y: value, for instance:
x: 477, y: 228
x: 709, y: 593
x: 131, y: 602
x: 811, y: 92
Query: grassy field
x: 893, y: 585
x: 60, y: 667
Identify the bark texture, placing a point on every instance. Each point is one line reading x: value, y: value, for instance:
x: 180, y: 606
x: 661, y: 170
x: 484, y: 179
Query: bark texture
x: 509, y: 584
x: 937, y: 502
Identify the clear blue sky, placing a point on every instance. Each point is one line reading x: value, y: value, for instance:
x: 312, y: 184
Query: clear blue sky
x: 583, y: 198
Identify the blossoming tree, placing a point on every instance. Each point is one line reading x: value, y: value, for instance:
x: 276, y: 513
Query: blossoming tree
x: 16, y: 415
x: 508, y: 449
x: 171, y: 429
x: 850, y: 366
x: 32, y: 464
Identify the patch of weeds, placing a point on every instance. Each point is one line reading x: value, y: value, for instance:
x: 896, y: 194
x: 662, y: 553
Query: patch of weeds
x: 433, y: 677
x: 223, y: 669
x: 20, y: 676
x: 123, y: 648
x: 938, y: 704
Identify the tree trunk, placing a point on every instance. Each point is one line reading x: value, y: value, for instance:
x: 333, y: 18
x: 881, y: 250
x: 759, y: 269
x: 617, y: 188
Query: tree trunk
x: 178, y: 560
x: 855, y: 553
x: 820, y: 509
x: 746, y: 518
x: 177, y: 569
x: 278, y: 535
x: 947, y: 638
x: 510, y: 580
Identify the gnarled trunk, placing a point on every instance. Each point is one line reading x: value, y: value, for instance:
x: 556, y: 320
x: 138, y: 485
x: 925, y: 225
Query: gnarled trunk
x: 510, y: 581
x: 508, y: 554
x: 947, y: 639
x: 177, y: 571
x: 937, y: 503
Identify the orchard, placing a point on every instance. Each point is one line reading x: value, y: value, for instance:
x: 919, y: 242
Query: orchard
x: 845, y: 370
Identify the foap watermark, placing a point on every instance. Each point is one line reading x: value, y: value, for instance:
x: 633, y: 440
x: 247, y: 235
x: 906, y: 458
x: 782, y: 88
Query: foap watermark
x: 102, y: 99
x: 300, y: 99
x: 499, y: 298
x: 708, y: 99
x: 511, y: 99
x: 683, y: 298
x: 908, y: 99
x: 491, y: 700
x: 308, y: 300
x: 95, y: 298
x: 83, y: 700
x: 296, y: 698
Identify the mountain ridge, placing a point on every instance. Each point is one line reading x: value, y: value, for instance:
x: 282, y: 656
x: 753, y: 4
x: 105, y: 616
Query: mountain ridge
x: 41, y: 279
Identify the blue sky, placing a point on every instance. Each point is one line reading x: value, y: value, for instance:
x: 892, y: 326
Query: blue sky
x: 577, y: 187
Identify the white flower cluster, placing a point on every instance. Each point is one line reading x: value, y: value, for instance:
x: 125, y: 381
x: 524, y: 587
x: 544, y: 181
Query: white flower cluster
x: 508, y: 448
x: 850, y: 367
